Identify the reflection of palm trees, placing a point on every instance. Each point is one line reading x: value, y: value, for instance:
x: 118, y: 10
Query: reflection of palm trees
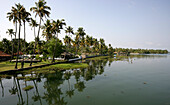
x: 2, y: 88
x: 53, y: 94
x: 20, y: 93
x: 80, y: 86
x: 69, y: 92
x: 13, y: 89
x: 36, y: 97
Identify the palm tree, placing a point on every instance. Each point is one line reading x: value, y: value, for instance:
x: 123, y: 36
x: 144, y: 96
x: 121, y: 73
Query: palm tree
x: 101, y: 45
x: 33, y: 24
x: 25, y: 18
x: 79, y: 35
x: 47, y: 30
x: 67, y: 41
x: 42, y: 11
x: 19, y: 16
x: 56, y: 28
x: 69, y: 30
x: 13, y: 15
x: 11, y: 32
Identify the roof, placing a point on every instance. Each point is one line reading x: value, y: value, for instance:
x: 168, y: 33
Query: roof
x: 20, y: 53
x: 4, y: 54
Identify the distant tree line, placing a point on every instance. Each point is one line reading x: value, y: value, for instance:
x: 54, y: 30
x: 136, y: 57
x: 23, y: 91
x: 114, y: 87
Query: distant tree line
x: 141, y: 51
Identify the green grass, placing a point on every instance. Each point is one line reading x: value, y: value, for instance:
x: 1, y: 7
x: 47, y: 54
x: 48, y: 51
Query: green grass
x: 54, y: 68
x: 70, y: 65
x: 99, y: 58
x: 5, y: 66
x: 29, y: 87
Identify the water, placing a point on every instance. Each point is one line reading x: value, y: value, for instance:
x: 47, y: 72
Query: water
x: 137, y: 80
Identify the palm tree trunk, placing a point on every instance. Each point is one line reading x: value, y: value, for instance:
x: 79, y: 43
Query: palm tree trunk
x: 34, y: 47
x: 55, y: 49
x: 36, y: 41
x: 22, y: 102
x: 39, y: 33
x: 2, y: 88
x: 18, y: 45
x: 12, y: 48
x: 22, y: 64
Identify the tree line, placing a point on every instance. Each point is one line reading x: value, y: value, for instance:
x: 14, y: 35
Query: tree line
x: 51, y: 29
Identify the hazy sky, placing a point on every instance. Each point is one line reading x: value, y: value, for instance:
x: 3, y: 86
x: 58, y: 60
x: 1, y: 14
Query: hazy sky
x: 123, y: 23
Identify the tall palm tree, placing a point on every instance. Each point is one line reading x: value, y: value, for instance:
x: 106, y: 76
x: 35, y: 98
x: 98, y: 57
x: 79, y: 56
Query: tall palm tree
x: 67, y: 41
x: 13, y: 15
x: 25, y: 18
x: 47, y: 30
x: 56, y: 28
x: 79, y: 35
x: 69, y: 30
x: 101, y: 45
x: 11, y: 32
x: 42, y: 10
x: 33, y: 24
x: 16, y: 15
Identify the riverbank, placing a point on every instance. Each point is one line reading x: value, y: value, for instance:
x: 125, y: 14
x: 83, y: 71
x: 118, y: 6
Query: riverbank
x: 6, y: 67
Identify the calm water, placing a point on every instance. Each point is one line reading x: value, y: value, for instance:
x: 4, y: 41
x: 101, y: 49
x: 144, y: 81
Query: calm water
x: 140, y: 80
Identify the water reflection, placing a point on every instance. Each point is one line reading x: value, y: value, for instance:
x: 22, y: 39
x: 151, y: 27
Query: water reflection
x: 48, y: 86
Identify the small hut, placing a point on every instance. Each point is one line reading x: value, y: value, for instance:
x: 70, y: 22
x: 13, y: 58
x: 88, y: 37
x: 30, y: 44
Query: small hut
x: 4, y: 56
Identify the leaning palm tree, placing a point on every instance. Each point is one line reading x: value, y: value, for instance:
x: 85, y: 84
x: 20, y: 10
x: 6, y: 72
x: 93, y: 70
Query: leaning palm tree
x: 56, y: 28
x: 25, y: 18
x: 11, y: 32
x: 41, y: 10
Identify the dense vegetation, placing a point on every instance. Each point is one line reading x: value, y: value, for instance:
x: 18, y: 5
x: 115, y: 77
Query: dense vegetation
x: 141, y: 51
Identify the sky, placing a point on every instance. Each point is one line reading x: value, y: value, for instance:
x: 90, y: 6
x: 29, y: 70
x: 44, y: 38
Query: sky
x: 122, y: 23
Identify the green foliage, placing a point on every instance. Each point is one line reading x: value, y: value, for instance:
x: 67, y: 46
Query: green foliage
x: 50, y: 47
x: 141, y: 51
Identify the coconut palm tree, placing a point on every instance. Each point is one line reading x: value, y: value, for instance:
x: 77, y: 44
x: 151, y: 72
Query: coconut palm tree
x: 19, y: 8
x: 67, y: 41
x: 69, y: 30
x: 33, y: 24
x: 56, y: 28
x: 47, y: 30
x: 25, y: 18
x: 13, y: 15
x: 42, y: 10
x: 79, y: 35
x: 11, y: 32
x: 101, y: 45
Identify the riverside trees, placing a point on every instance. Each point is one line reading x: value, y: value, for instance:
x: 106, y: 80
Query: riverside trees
x: 75, y: 42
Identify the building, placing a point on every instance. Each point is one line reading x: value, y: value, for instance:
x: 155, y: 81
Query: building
x: 4, y: 56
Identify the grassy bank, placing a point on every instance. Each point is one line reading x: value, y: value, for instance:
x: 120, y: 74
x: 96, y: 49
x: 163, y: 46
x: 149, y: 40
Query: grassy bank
x: 54, y: 68
x: 5, y: 66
